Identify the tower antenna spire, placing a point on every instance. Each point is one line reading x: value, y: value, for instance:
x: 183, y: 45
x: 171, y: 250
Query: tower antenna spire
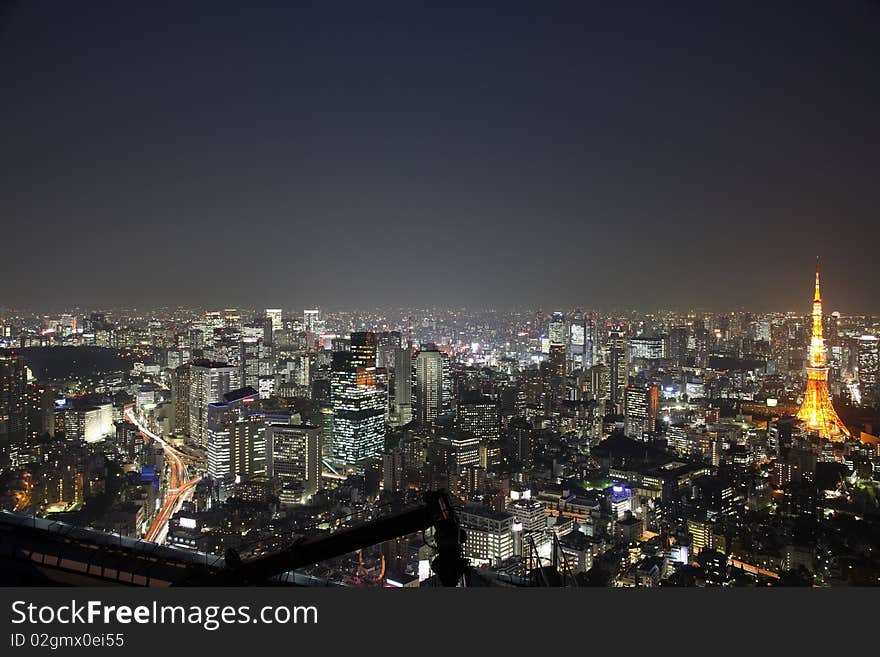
x: 816, y: 410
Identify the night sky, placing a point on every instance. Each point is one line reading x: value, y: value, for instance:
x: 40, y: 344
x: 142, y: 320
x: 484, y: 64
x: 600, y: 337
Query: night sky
x: 598, y: 154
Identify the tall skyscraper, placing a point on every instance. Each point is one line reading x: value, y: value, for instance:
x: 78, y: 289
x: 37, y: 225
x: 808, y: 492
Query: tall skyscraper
x: 554, y: 381
x: 637, y: 411
x: 312, y: 321
x: 816, y: 410
x: 13, y: 404
x: 250, y: 355
x: 576, y: 345
x: 209, y: 381
x: 359, y: 401
x: 403, y: 371
x: 556, y: 331
x: 180, y: 398
x: 430, y: 394
x: 274, y: 316
x: 869, y: 367
x: 600, y: 381
x: 678, y: 345
x: 40, y: 411
x: 619, y: 366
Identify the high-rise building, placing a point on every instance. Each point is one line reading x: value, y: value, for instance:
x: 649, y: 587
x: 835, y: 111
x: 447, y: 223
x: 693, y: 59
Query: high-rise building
x: 677, y: 349
x: 13, y: 402
x: 363, y: 348
x: 312, y: 321
x: 554, y: 381
x: 460, y: 450
x: 236, y: 441
x: 387, y: 344
x: 402, y: 379
x: 637, y: 411
x: 232, y: 318
x: 430, y: 389
x: 209, y: 381
x: 274, y: 316
x: 180, y: 398
x: 556, y: 331
x: 763, y: 329
x: 479, y: 417
x: 618, y: 365
x: 359, y: 401
x: 816, y: 410
x: 869, y: 367
x: 40, y: 411
x: 296, y: 455
x: 196, y: 340
x: 650, y: 348
x: 249, y: 365
x: 600, y: 381
x: 576, y: 357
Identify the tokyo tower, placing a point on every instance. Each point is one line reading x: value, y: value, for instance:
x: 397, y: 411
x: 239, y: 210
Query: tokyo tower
x: 816, y: 410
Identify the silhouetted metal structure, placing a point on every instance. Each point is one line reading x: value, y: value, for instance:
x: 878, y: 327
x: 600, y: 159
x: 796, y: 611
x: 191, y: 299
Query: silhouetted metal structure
x: 37, y: 551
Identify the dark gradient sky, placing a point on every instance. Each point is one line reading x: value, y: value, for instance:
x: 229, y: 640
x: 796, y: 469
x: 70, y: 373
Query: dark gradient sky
x: 636, y: 154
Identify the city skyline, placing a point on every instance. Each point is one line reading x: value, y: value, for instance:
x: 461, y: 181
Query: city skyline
x: 620, y: 309
x: 644, y: 451
x: 585, y: 154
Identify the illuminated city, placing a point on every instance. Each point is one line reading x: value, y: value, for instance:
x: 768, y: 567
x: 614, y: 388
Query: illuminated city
x: 417, y: 295
x: 577, y: 447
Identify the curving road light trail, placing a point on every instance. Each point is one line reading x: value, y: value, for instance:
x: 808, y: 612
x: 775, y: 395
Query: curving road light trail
x: 180, y: 484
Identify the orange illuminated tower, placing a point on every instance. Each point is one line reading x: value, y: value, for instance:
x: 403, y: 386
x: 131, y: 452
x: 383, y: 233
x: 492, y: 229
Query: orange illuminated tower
x: 816, y: 410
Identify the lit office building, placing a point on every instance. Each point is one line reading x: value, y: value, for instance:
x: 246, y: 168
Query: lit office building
x: 479, y: 417
x: 529, y: 523
x: 577, y: 347
x: 647, y: 348
x: 312, y: 321
x: 869, y: 366
x: 40, y: 409
x: 402, y: 378
x: 387, y: 344
x: 600, y: 381
x: 296, y: 455
x: 556, y: 331
x: 363, y: 349
x: 462, y: 450
x: 489, y: 535
x: 209, y: 381
x: 180, y: 378
x: 638, y: 412
x: 13, y: 409
x: 274, y: 317
x: 81, y: 419
x: 555, y: 367
x: 250, y: 358
x: 619, y: 366
x: 359, y: 402
x: 431, y: 392
x: 234, y: 443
